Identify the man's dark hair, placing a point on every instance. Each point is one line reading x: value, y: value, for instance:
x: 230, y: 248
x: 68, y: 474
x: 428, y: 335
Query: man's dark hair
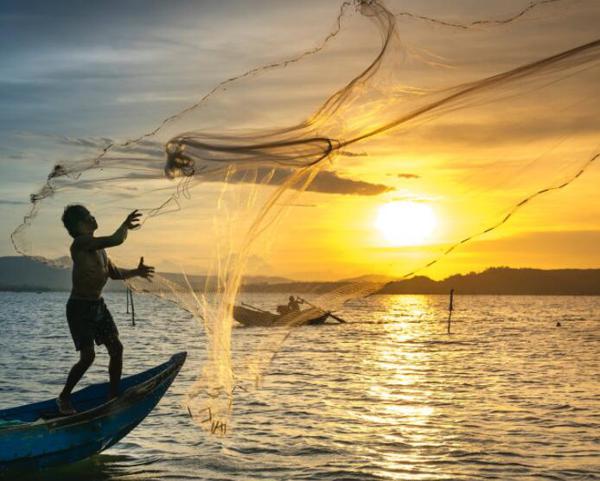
x: 71, y: 216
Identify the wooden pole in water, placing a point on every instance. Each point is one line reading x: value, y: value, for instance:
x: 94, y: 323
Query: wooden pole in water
x: 132, y: 308
x: 450, y: 308
x: 127, y: 296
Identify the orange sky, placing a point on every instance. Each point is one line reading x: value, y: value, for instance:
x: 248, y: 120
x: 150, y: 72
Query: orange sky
x: 469, y: 164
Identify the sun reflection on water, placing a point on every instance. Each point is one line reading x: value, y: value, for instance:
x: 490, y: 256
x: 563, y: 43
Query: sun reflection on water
x: 400, y: 394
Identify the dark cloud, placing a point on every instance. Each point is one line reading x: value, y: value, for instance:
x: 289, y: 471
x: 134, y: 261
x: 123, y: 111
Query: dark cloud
x: 13, y: 156
x: 152, y: 156
x: 347, y: 153
x: 325, y: 182
x: 408, y: 176
x: 331, y: 183
x: 85, y: 142
x: 12, y: 202
x: 146, y: 147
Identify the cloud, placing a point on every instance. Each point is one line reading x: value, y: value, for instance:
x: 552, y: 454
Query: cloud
x: 407, y: 176
x: 411, y: 198
x: 152, y: 152
x: 325, y: 182
x: 143, y: 147
x: 330, y: 183
x: 12, y: 202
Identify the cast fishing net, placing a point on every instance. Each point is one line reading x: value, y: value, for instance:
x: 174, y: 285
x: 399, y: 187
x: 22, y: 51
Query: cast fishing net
x: 473, y: 116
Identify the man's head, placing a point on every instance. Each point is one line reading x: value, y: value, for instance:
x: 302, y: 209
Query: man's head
x: 78, y: 220
x: 291, y: 298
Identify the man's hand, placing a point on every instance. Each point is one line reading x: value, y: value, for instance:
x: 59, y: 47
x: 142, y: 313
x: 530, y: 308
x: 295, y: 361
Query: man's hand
x: 133, y: 220
x: 147, y: 272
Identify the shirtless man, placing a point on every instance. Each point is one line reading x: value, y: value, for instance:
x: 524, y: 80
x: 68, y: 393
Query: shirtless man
x: 294, y: 304
x: 88, y: 317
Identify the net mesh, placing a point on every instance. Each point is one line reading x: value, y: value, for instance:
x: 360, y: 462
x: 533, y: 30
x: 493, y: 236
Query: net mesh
x: 474, y: 117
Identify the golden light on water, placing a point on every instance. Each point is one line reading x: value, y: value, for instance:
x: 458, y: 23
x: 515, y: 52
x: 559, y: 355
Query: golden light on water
x: 404, y: 223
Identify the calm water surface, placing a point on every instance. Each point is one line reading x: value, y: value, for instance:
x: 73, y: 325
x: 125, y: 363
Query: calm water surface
x: 389, y: 396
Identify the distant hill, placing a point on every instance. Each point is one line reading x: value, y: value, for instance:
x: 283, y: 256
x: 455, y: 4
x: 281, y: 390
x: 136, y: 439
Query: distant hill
x: 505, y: 280
x: 370, y: 278
x: 25, y: 274
x: 495, y: 280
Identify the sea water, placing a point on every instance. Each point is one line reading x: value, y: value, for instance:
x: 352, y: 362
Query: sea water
x: 390, y: 395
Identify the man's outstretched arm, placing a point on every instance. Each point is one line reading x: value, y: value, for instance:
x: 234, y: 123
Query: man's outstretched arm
x: 89, y: 242
x: 142, y: 270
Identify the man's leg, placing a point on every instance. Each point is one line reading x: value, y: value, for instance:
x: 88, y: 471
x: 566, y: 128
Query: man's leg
x: 115, y: 365
x: 86, y: 358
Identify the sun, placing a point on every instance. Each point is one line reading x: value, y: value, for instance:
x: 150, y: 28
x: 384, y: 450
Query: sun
x: 405, y: 223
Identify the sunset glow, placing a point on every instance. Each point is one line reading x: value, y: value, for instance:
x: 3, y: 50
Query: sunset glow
x: 405, y: 223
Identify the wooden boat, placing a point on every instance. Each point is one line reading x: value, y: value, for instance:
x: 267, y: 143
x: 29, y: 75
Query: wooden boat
x: 36, y: 436
x: 254, y: 317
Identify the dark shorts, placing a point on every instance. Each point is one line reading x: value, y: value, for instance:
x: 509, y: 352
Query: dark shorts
x: 90, y: 321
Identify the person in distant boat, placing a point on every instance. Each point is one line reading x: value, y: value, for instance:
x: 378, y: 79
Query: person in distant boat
x: 294, y: 304
x: 87, y: 315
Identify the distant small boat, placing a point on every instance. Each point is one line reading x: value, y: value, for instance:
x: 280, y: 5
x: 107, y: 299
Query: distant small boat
x: 257, y: 317
x: 36, y: 436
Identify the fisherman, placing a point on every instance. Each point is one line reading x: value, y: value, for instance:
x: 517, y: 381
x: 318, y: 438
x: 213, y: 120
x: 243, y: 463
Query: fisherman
x: 87, y: 315
x: 294, y: 304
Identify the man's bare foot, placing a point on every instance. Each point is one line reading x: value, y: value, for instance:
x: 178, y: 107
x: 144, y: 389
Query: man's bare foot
x: 64, y: 406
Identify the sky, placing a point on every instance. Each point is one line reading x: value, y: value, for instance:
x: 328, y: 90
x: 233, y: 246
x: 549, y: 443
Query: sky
x: 76, y: 75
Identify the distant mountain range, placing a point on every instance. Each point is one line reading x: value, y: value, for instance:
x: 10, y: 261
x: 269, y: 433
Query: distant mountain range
x: 23, y: 274
x: 495, y: 280
x: 505, y: 281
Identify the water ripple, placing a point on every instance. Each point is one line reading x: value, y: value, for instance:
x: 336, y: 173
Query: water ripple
x: 388, y: 396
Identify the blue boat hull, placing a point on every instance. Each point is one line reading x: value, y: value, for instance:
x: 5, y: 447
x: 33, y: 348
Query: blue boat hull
x: 32, y: 442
